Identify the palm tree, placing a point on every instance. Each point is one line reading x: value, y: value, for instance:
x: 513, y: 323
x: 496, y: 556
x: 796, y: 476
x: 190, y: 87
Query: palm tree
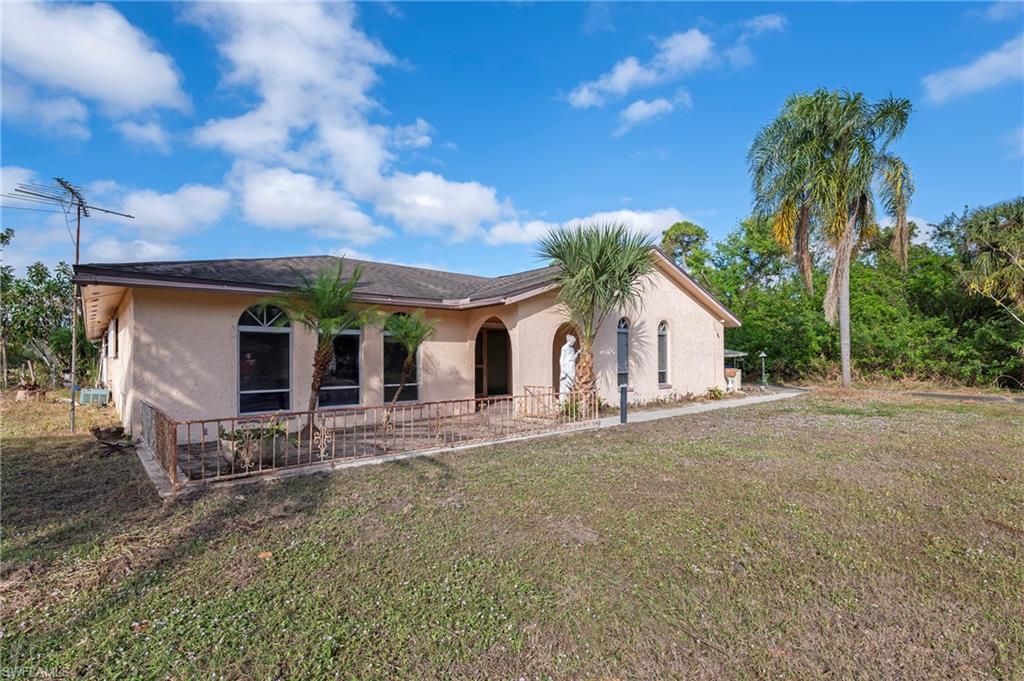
x: 815, y: 167
x: 409, y: 330
x: 603, y: 268
x: 323, y: 304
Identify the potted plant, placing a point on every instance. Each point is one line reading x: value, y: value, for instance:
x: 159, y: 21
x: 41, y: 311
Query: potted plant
x: 248, y: 446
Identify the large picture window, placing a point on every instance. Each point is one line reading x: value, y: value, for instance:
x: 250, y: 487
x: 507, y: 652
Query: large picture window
x: 622, y: 351
x: 264, y: 351
x: 340, y: 386
x: 663, y: 353
x: 394, y: 358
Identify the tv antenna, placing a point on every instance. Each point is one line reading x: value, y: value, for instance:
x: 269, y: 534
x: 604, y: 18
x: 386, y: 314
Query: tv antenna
x: 68, y: 197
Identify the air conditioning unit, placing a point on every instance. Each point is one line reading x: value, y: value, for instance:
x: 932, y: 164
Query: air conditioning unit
x: 93, y: 396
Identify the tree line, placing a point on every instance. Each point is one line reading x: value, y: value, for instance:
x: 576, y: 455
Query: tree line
x: 953, y: 313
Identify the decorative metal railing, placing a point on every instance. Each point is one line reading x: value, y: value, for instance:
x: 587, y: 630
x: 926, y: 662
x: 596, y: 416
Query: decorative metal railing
x: 222, y: 448
x: 160, y: 433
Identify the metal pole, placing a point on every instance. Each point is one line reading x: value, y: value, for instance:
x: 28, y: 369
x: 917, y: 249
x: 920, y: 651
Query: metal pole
x: 623, y: 405
x: 74, y: 316
x: 764, y: 380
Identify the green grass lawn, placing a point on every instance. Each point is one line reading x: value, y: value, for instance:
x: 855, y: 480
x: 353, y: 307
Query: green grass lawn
x: 845, y: 535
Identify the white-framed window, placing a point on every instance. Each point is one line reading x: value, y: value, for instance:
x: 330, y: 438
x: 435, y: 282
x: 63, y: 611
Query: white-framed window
x: 622, y: 351
x: 340, y: 385
x: 394, y: 360
x: 663, y: 353
x: 264, y: 360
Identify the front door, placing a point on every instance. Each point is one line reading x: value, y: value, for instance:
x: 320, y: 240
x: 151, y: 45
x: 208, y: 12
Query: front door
x: 492, y: 375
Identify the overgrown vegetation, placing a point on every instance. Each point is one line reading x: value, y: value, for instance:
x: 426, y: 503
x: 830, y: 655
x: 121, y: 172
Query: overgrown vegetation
x: 854, y: 535
x: 929, y: 322
x: 35, y: 326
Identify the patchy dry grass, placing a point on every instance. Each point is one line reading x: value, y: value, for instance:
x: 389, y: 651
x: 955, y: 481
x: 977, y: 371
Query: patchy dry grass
x: 846, y: 535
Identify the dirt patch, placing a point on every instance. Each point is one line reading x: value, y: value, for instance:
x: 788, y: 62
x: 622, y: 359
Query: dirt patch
x: 575, y: 533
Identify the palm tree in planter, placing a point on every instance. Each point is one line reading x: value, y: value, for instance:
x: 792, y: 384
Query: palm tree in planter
x: 816, y: 166
x: 603, y: 270
x: 409, y: 331
x: 323, y: 304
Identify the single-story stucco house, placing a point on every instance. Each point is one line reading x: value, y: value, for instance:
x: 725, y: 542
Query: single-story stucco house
x: 189, y: 337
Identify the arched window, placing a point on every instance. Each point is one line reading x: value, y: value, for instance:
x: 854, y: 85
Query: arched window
x: 394, y: 359
x: 663, y: 353
x: 341, y: 380
x: 622, y: 353
x: 264, y: 360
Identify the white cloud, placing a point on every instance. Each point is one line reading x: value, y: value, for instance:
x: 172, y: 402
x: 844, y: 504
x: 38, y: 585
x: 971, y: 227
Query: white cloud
x: 284, y: 199
x: 1002, y: 11
x: 764, y: 23
x: 91, y: 51
x: 740, y: 54
x: 1014, y: 140
x: 189, y: 209
x: 924, y: 229
x: 146, y: 134
x: 1001, y: 65
x: 642, y: 111
x: 676, y: 55
x: 597, y: 19
x: 652, y: 222
x: 60, y: 115
x: 428, y: 203
x: 414, y: 136
x: 312, y: 70
x: 111, y: 249
x: 12, y: 176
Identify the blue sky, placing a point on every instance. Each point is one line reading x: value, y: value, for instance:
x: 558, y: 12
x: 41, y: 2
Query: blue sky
x: 453, y: 135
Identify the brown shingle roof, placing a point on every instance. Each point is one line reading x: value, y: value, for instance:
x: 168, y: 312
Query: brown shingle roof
x: 379, y: 280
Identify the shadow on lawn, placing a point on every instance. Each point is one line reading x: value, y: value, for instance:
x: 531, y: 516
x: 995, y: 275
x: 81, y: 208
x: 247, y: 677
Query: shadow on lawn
x: 61, y: 500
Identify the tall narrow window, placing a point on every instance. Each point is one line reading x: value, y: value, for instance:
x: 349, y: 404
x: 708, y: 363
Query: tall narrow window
x: 623, y: 351
x: 394, y: 360
x: 663, y: 353
x: 264, y: 350
x: 341, y: 381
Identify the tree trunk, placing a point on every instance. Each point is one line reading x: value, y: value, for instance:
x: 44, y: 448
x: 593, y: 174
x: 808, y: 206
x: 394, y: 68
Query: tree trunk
x: 406, y: 370
x: 844, y: 325
x: 837, y: 297
x: 803, y: 247
x: 321, y: 358
x: 584, y: 384
x: 3, y: 360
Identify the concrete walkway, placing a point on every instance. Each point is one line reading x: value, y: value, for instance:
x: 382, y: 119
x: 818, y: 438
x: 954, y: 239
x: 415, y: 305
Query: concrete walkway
x: 958, y: 397
x: 637, y: 416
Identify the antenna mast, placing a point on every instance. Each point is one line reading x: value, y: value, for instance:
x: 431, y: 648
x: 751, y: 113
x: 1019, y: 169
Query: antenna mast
x: 68, y: 197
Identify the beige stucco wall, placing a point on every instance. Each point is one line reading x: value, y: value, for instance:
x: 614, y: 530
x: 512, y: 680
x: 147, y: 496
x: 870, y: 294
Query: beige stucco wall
x: 120, y: 367
x: 695, y: 346
x: 179, y: 350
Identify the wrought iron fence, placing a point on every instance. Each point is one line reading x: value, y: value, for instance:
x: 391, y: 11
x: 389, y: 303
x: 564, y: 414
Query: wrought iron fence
x: 223, y: 448
x: 160, y: 433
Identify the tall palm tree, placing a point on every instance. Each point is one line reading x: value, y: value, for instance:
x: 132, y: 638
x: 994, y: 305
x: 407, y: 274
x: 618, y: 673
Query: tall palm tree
x: 603, y: 268
x: 816, y: 167
x: 410, y: 330
x: 324, y: 305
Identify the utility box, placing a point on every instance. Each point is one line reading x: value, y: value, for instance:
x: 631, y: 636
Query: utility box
x: 93, y: 396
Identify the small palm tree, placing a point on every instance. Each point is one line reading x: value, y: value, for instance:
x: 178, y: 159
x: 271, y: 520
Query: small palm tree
x: 410, y: 330
x: 324, y: 305
x: 815, y: 166
x: 603, y: 267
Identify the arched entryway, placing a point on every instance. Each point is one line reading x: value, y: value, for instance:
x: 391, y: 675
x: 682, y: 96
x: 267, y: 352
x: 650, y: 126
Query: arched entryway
x: 556, y: 349
x: 493, y: 359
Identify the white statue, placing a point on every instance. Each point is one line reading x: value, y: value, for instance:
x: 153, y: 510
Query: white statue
x: 567, y: 368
